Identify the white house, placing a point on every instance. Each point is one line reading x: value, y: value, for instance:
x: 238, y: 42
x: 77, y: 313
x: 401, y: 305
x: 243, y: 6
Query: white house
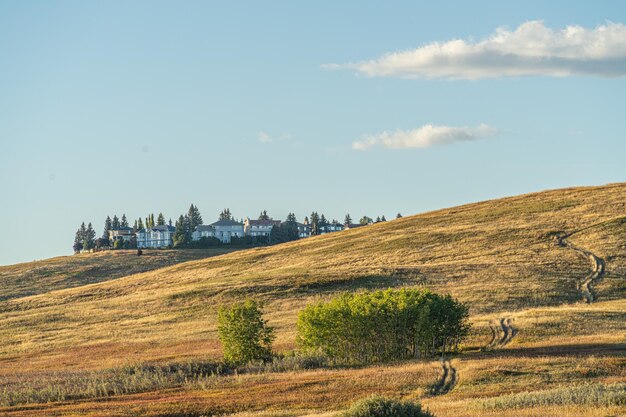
x: 203, y: 230
x: 259, y: 227
x: 124, y: 233
x: 227, y: 229
x: 156, y: 237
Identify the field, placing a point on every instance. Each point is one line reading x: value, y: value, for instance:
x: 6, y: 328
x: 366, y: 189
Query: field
x: 116, y: 335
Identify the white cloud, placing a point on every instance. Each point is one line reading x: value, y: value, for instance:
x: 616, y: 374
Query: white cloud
x: 264, y: 138
x: 424, y: 137
x: 530, y: 50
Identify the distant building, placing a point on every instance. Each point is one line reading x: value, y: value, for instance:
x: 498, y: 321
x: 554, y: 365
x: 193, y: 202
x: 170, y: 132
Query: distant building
x: 203, y: 230
x: 227, y: 229
x: 347, y: 226
x: 124, y: 233
x: 304, y: 230
x: 258, y: 228
x: 156, y: 237
x: 330, y: 228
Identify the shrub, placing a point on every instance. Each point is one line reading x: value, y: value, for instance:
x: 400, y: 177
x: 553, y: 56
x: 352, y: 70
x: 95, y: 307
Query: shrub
x: 382, y: 325
x: 383, y: 407
x: 244, y: 335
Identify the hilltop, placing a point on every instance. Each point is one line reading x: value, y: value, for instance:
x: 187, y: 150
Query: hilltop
x: 519, y: 258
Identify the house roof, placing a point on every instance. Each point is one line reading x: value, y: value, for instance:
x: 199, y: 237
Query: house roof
x: 119, y: 229
x: 269, y: 222
x: 204, y: 228
x: 161, y: 228
x: 226, y: 223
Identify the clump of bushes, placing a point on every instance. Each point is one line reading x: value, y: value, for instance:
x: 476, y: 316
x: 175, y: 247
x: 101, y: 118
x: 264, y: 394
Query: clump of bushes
x: 377, y: 326
x: 383, y: 407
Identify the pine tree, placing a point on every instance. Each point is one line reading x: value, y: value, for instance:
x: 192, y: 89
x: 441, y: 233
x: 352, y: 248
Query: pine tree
x: 179, y: 234
x: 225, y: 215
x: 79, y: 238
x: 398, y: 216
x: 115, y: 224
x: 291, y: 218
x: 264, y: 215
x: 347, y: 220
x: 152, y: 224
x: 170, y: 222
x: 90, y: 238
x: 315, y: 223
x: 383, y: 219
x: 107, y: 227
x: 161, y: 220
x: 323, y: 221
x: 378, y: 219
x: 124, y: 222
x: 195, y: 219
x: 139, y: 224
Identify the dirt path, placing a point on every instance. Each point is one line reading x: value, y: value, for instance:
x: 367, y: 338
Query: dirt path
x: 598, y: 268
x: 447, y: 381
x: 504, y: 327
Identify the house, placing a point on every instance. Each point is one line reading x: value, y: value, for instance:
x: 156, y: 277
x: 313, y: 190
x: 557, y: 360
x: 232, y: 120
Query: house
x: 304, y: 230
x: 156, y: 237
x: 330, y: 227
x: 257, y: 228
x: 227, y: 229
x: 124, y: 233
x: 353, y: 225
x: 203, y: 230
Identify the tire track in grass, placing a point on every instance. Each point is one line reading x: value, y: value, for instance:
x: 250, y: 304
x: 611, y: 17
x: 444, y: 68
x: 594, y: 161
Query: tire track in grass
x: 598, y: 268
x: 448, y: 379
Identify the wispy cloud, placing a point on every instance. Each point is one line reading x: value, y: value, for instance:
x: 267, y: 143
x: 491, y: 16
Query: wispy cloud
x: 530, y: 50
x: 264, y: 137
x: 424, y: 137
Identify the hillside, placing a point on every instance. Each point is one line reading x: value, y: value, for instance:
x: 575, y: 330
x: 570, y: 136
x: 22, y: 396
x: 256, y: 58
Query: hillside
x: 519, y: 259
x: 38, y: 277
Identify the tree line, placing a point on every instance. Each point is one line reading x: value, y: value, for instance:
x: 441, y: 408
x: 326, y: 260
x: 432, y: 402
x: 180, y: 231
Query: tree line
x: 85, y: 237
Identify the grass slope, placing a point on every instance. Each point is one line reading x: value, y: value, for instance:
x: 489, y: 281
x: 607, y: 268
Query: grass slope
x: 37, y: 277
x: 501, y: 257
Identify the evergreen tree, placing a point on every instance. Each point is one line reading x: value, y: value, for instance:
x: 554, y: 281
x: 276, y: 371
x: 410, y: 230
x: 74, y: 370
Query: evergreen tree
x: 323, y: 221
x: 152, y: 224
x: 225, y: 215
x: 89, y: 241
x: 107, y: 227
x: 195, y: 219
x: 135, y: 227
x: 124, y: 222
x: 179, y: 234
x: 378, y: 219
x: 140, y: 224
x: 383, y: 219
x: 398, y: 216
x: 315, y: 223
x: 263, y: 215
x: 306, y: 220
x: 291, y: 218
x: 115, y: 224
x: 347, y: 220
x: 170, y: 223
x: 161, y: 220
x: 79, y: 238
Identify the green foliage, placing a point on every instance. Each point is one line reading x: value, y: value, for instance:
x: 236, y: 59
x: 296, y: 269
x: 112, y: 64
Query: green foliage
x: 286, y: 232
x: 376, y: 406
x: 161, y: 220
x: 244, y: 334
x: 195, y: 219
x: 264, y: 215
x: 378, y: 326
x: 226, y: 215
x: 366, y: 220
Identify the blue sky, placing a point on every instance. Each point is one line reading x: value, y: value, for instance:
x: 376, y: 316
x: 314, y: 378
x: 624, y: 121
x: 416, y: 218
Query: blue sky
x: 140, y: 107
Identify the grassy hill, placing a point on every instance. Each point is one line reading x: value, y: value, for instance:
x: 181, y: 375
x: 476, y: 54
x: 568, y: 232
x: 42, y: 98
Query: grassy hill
x: 516, y: 259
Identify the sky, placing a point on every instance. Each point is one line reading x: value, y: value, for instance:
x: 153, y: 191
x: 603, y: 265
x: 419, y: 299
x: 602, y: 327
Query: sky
x: 359, y: 107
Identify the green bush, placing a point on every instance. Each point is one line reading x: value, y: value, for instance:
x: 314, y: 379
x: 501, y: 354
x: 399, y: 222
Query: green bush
x: 382, y: 326
x: 244, y: 334
x: 383, y: 407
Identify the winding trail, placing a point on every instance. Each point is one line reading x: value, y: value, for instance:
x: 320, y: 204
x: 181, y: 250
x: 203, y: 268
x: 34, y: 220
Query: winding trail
x: 447, y: 381
x: 505, y: 327
x: 598, y: 268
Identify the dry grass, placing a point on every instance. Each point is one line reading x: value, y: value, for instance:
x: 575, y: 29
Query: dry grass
x: 499, y: 256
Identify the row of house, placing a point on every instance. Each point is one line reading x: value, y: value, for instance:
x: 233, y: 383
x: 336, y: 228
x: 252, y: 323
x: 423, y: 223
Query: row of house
x: 163, y: 236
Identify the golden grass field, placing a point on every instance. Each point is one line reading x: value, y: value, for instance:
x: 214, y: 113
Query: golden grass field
x: 75, y: 320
